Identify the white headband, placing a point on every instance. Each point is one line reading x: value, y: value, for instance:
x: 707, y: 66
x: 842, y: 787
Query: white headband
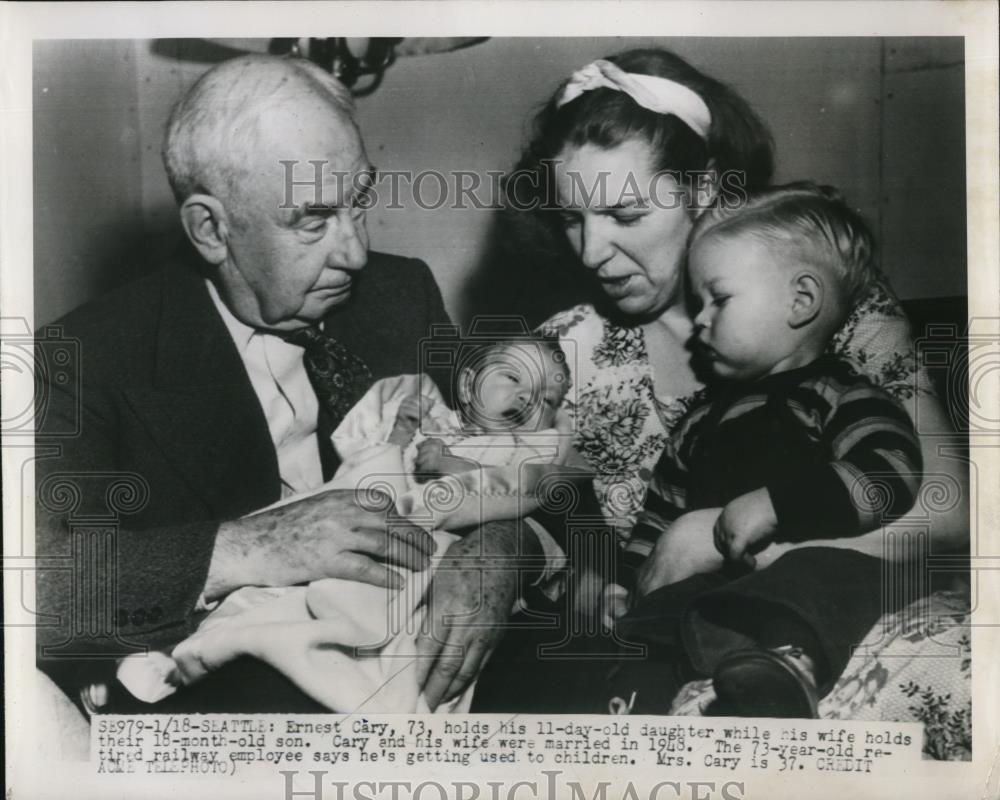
x: 661, y: 95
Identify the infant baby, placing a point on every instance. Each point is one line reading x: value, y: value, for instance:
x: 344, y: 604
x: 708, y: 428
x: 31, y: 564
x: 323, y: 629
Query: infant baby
x: 507, y: 397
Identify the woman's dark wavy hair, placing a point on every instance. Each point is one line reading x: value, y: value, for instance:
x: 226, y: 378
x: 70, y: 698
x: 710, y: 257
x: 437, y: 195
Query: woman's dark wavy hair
x: 738, y: 140
x: 534, y: 244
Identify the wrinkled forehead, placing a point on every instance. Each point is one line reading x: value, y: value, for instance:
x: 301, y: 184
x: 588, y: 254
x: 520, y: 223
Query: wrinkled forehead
x: 308, y: 151
x: 590, y: 176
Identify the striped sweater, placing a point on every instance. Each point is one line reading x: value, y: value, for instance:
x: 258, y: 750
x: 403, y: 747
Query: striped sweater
x: 837, y: 455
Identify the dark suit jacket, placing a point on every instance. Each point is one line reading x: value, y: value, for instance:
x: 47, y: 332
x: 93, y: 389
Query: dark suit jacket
x: 156, y: 435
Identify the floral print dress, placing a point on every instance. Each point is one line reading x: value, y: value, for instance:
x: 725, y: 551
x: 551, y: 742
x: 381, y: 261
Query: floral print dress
x: 622, y: 423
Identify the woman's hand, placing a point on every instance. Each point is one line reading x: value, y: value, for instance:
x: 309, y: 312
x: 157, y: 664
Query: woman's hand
x: 686, y: 548
x: 744, y: 526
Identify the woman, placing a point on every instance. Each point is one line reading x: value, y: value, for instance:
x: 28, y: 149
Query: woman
x: 630, y: 149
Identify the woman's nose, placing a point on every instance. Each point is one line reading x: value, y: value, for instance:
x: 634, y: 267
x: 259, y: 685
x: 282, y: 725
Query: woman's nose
x: 595, y: 244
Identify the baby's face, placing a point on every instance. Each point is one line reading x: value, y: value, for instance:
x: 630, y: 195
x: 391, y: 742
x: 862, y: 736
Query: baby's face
x: 744, y: 295
x: 518, y: 388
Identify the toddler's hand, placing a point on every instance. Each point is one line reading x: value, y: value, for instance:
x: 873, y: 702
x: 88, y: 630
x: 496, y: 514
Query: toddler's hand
x: 614, y: 604
x: 744, y: 524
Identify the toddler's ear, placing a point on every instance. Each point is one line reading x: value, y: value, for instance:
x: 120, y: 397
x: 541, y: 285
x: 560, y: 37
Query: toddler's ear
x: 807, y: 299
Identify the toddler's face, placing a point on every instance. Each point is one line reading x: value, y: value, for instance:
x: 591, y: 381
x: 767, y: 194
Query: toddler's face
x: 744, y: 293
x: 518, y: 388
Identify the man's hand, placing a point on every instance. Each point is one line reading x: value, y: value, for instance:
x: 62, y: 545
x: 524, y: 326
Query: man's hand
x: 468, y: 603
x: 744, y: 525
x: 328, y: 535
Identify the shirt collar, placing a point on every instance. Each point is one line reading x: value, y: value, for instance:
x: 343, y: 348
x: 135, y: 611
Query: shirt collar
x: 240, y: 332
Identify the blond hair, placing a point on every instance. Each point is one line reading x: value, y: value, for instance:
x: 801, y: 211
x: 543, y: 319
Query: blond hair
x: 810, y: 223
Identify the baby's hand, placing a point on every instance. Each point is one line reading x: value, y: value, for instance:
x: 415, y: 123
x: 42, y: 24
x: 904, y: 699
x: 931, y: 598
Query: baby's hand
x: 408, y: 419
x: 428, y: 460
x: 434, y: 458
x: 744, y: 524
x: 614, y: 604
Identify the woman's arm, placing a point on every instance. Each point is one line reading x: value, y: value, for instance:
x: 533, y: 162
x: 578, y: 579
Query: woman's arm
x: 942, y: 507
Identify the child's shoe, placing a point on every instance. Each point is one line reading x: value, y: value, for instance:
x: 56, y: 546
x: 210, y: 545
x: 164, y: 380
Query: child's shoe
x: 779, y: 682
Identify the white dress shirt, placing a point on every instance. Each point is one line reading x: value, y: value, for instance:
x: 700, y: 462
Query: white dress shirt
x: 278, y: 376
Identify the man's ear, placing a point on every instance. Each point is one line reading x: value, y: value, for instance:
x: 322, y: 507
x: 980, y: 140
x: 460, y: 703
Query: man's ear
x: 807, y: 299
x: 207, y: 226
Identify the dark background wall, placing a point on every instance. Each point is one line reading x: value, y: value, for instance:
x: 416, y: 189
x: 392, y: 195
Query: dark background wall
x: 883, y: 119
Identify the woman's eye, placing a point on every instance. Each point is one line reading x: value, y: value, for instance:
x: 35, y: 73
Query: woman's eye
x: 628, y: 221
x: 720, y: 300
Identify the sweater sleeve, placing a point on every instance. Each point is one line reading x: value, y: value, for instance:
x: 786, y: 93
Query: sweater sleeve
x: 665, y: 502
x: 873, y: 476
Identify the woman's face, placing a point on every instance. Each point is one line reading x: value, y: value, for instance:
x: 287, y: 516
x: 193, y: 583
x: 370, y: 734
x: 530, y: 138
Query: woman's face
x: 628, y: 229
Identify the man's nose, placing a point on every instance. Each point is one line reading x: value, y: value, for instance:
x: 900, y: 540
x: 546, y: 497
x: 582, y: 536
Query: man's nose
x: 595, y: 243
x: 350, y: 246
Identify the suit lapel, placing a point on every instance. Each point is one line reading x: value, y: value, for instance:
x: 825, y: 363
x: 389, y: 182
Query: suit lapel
x: 202, y: 410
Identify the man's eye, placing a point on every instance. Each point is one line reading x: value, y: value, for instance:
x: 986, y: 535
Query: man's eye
x: 314, y: 224
x: 568, y: 219
x: 362, y: 201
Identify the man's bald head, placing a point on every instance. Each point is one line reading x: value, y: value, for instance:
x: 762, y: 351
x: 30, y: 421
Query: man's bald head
x: 213, y: 130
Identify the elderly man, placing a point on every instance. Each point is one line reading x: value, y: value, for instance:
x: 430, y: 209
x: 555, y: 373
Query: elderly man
x: 210, y: 389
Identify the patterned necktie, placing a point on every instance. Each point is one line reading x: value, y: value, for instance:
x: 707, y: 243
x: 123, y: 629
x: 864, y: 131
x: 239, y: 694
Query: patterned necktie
x: 338, y: 377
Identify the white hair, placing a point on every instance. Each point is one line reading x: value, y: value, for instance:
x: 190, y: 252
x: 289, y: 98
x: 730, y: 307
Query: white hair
x: 213, y: 127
